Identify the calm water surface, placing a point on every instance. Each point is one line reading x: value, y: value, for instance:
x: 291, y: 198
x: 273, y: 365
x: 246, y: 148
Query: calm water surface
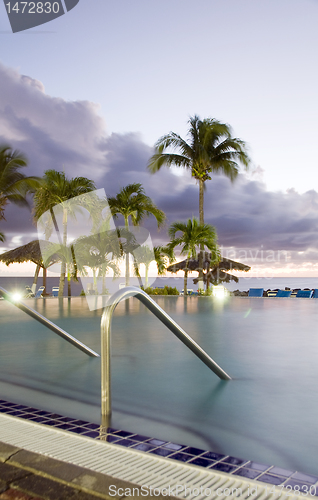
x: 268, y: 413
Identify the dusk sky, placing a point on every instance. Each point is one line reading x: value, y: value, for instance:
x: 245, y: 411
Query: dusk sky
x: 92, y: 91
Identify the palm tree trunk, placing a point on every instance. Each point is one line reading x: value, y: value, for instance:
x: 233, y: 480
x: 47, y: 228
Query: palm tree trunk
x: 127, y: 280
x: 185, y: 282
x: 63, y: 265
x: 201, y: 214
x: 35, y: 279
x: 44, y: 281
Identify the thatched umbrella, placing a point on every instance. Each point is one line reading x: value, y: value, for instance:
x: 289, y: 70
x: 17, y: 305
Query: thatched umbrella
x: 215, y: 273
x: 30, y: 252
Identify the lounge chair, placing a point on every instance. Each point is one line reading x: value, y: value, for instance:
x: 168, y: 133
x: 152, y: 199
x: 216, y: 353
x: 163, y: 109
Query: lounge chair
x: 283, y: 293
x: 28, y: 293
x: 304, y: 294
x: 39, y: 292
x: 55, y: 291
x: 272, y: 293
x: 255, y: 292
x: 315, y: 294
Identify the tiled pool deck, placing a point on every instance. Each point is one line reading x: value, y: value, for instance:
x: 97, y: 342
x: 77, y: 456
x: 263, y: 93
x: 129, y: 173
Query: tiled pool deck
x: 269, y: 474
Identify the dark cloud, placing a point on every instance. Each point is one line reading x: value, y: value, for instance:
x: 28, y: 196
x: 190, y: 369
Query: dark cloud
x: 58, y: 134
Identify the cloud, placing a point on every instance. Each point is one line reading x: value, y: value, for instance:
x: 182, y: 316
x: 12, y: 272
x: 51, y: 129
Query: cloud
x: 60, y: 134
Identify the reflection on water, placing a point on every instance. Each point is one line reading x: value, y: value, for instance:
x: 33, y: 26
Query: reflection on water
x: 268, y: 413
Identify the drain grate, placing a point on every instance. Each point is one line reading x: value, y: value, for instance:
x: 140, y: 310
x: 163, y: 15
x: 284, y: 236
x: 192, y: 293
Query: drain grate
x: 151, y: 472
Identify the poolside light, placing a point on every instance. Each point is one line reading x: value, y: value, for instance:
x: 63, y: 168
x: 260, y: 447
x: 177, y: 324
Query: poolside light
x: 16, y: 296
x: 219, y: 291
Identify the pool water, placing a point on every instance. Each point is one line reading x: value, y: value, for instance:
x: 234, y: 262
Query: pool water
x: 267, y: 413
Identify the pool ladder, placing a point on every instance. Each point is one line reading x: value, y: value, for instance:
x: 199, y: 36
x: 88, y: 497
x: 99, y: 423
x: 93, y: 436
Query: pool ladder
x: 113, y: 301
x: 49, y: 324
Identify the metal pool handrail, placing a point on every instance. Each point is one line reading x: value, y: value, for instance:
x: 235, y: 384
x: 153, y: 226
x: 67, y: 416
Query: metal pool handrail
x: 46, y: 322
x: 124, y: 293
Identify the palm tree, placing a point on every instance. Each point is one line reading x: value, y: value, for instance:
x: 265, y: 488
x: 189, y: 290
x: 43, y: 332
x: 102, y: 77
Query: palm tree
x: 210, y: 149
x: 145, y: 255
x: 132, y: 202
x: 193, y: 235
x: 58, y: 190
x: 14, y: 185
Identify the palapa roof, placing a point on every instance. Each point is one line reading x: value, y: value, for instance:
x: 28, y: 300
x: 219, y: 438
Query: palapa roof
x: 223, y: 265
x: 29, y: 252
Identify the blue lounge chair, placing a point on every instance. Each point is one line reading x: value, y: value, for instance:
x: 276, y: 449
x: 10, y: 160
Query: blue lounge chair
x: 272, y: 293
x: 304, y: 294
x: 315, y: 294
x: 39, y: 292
x: 255, y: 292
x: 55, y: 291
x: 283, y: 293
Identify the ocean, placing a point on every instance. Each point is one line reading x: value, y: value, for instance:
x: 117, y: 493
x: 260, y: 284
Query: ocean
x: 19, y: 283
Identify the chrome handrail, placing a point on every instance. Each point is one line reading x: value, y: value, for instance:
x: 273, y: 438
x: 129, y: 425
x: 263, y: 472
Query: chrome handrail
x: 46, y: 322
x: 124, y: 293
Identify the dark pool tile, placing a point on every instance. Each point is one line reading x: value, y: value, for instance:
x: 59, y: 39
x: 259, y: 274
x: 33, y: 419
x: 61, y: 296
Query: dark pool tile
x: 78, y: 430
x: 213, y: 456
x: 66, y: 419
x: 305, y: 477
x: 111, y: 430
x: 7, y: 409
x: 281, y: 472
x: 234, y: 460
x: 249, y: 473
x: 173, y: 446
x: 203, y: 462
x: 157, y: 442
x: 93, y: 427
x: 139, y: 437
x: 18, y: 407
x: 144, y: 447
x: 193, y: 451
x: 224, y: 467
x: 43, y: 413
x: 39, y: 420
x: 181, y: 457
x: 257, y: 466
x: 79, y: 423
x: 162, y: 452
x: 123, y: 433
x: 52, y: 423
x: 27, y: 416
x: 15, y: 413
x: 268, y: 478
x: 92, y: 434
x: 112, y: 439
x: 125, y: 442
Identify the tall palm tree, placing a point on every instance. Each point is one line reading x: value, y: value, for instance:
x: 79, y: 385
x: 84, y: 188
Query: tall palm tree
x: 193, y: 235
x: 210, y: 149
x: 14, y: 185
x: 58, y: 189
x: 132, y: 203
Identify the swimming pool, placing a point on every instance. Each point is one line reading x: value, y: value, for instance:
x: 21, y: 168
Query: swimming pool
x: 268, y: 413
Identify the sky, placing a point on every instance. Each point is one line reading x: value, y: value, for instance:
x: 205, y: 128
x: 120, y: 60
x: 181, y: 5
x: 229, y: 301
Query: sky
x: 92, y: 91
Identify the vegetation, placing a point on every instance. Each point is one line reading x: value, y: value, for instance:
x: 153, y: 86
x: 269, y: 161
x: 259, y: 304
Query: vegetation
x: 210, y: 149
x: 133, y: 204
x: 57, y: 189
x: 167, y: 290
x: 193, y: 235
x: 14, y: 185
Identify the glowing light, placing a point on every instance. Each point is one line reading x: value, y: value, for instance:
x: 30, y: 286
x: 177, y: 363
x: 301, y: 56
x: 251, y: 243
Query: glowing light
x: 219, y: 291
x: 16, y: 296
